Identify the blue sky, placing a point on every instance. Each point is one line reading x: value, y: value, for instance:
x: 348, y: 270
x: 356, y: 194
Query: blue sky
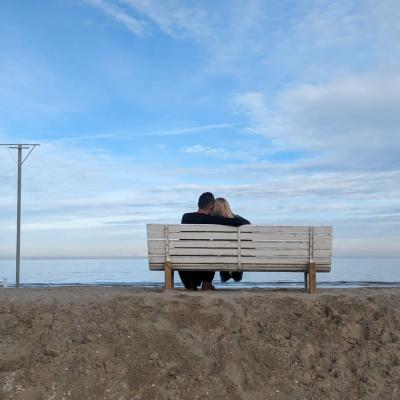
x: 289, y: 109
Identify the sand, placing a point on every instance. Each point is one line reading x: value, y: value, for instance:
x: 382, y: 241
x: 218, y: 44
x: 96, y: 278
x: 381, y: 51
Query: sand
x: 124, y: 343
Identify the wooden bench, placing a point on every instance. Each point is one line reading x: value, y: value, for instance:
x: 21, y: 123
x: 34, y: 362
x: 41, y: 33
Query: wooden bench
x: 306, y: 249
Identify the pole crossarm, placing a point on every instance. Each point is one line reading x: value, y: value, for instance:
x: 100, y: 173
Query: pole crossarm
x: 25, y: 146
x: 19, y: 144
x: 22, y: 145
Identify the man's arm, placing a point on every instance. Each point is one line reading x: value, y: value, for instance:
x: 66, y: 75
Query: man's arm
x: 196, y: 218
x: 236, y: 221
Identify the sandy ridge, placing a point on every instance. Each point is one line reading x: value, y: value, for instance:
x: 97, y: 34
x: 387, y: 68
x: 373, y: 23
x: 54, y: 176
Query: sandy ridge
x: 125, y: 343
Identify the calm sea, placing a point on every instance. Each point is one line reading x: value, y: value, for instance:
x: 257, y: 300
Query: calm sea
x: 346, y: 272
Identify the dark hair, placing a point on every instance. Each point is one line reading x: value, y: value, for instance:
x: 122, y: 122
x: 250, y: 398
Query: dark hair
x: 205, y: 200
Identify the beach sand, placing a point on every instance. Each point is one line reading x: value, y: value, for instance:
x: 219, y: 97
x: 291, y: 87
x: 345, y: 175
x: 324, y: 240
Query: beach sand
x: 128, y: 343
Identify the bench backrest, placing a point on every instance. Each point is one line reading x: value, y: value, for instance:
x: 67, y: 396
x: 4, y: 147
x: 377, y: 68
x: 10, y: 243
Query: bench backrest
x: 247, y: 248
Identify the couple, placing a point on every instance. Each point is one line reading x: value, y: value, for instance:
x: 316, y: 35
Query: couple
x: 211, y: 211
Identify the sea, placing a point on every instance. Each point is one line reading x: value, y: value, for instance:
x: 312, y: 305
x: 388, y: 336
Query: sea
x: 345, y: 273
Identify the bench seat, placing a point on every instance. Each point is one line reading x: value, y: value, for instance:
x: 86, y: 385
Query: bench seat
x: 247, y: 248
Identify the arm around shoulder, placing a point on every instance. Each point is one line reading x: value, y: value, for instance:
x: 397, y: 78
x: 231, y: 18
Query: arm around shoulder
x: 236, y: 221
x: 241, y: 221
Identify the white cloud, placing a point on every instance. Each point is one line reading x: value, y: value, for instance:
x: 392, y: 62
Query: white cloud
x: 84, y: 203
x: 353, y: 120
x: 328, y: 24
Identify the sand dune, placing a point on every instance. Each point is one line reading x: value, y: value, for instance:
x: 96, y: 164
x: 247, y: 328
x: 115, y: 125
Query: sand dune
x: 124, y: 343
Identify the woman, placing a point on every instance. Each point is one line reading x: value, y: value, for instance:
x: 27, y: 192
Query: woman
x: 222, y: 209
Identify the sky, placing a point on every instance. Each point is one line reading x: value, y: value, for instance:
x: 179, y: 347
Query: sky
x: 290, y: 109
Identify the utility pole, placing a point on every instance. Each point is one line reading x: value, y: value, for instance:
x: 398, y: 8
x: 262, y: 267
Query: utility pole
x: 19, y: 162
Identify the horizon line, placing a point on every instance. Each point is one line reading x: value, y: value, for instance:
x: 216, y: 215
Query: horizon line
x: 144, y: 257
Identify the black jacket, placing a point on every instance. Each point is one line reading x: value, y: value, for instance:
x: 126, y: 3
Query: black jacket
x: 198, y: 218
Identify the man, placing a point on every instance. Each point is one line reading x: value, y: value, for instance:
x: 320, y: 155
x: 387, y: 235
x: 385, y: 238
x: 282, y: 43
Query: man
x: 193, y: 279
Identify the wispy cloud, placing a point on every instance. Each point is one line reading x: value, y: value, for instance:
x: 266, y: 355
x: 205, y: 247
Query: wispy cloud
x: 227, y: 30
x: 120, y: 15
x: 174, y: 18
x: 83, y: 137
x: 201, y: 149
x: 192, y: 129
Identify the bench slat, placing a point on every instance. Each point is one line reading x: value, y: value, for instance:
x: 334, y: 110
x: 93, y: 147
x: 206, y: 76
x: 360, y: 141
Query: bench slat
x: 257, y: 236
x: 233, y: 260
x: 282, y: 245
x: 265, y: 236
x: 246, y: 252
x: 203, y: 235
x: 285, y: 252
x: 248, y: 267
x: 159, y: 228
x: 320, y: 230
x: 203, y: 252
x: 158, y: 246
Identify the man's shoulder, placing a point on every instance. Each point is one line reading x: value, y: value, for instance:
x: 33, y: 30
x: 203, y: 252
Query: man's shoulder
x: 191, y: 218
x: 190, y: 214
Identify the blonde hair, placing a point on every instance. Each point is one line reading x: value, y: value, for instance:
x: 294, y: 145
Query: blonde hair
x: 222, y: 208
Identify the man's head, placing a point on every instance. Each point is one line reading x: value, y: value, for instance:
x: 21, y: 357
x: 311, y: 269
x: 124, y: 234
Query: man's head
x: 206, y: 203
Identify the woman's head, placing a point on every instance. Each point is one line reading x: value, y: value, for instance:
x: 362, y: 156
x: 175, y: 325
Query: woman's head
x: 222, y: 208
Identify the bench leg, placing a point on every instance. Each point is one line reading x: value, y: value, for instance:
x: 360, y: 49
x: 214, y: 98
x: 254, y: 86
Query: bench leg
x: 306, y: 281
x: 312, y: 285
x: 169, y: 276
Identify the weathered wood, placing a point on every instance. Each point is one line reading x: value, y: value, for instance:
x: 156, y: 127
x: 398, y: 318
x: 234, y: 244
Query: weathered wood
x: 286, y: 245
x: 311, y: 243
x: 203, y: 235
x: 169, y: 276
x: 312, y: 286
x: 256, y: 236
x: 278, y: 236
x: 207, y: 244
x: 158, y: 246
x: 323, y: 230
x: 207, y: 259
x: 260, y: 253
x: 203, y: 252
x: 248, y: 248
x: 166, y: 234
x: 201, y: 228
x: 247, y: 267
x: 284, y: 252
x: 158, y: 228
